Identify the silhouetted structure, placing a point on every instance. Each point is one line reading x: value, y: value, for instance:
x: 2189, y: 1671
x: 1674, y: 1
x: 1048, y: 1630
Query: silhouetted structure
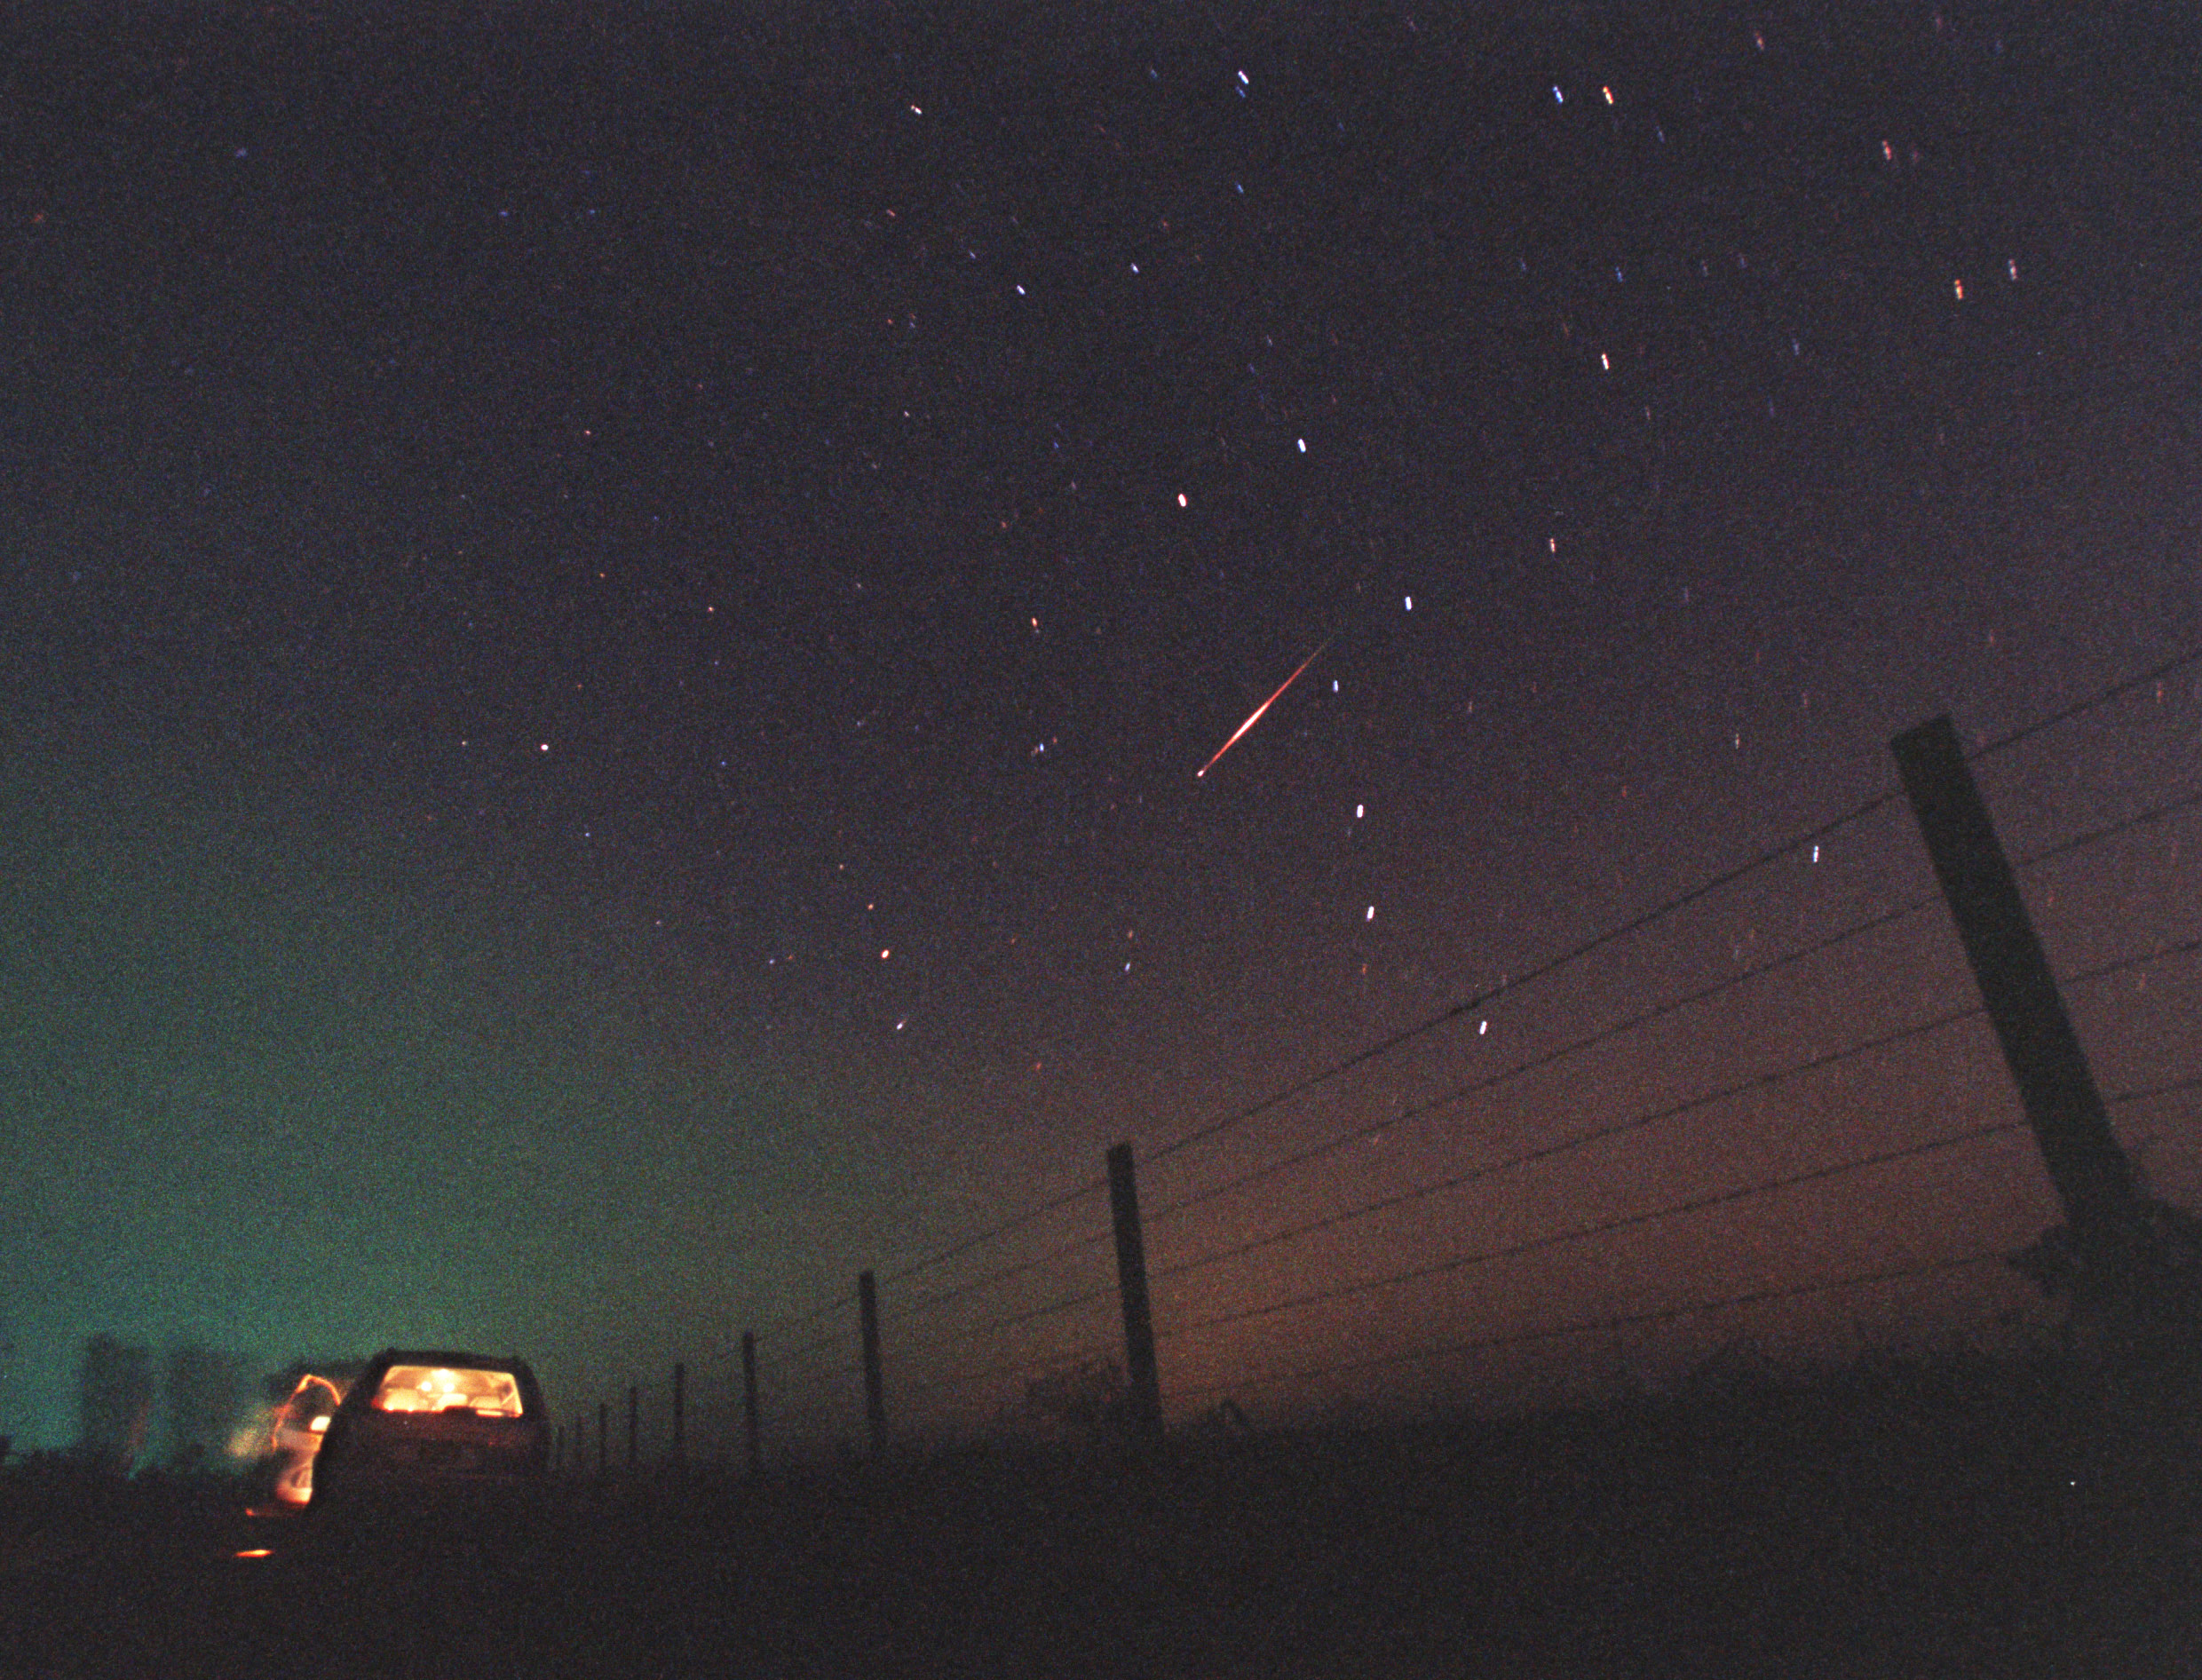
x: 205, y: 1394
x: 113, y: 1401
x: 875, y: 1388
x: 2119, y: 1255
x: 751, y: 1423
x: 1144, y: 1395
x: 680, y: 1412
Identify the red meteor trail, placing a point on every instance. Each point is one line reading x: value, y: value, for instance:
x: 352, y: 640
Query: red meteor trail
x: 1258, y: 711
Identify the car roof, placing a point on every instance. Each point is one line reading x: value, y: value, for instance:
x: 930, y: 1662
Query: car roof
x: 449, y: 1356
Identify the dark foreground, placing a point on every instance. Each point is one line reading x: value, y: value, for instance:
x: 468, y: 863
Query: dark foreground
x: 2008, y: 1525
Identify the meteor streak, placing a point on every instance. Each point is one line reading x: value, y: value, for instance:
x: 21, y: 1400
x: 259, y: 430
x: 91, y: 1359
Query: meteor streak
x: 1256, y: 717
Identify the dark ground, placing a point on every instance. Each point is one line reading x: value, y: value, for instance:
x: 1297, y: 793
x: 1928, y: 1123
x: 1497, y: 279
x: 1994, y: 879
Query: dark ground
x: 1989, y: 1520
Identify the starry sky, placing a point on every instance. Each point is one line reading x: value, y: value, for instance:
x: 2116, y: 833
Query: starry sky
x: 611, y: 612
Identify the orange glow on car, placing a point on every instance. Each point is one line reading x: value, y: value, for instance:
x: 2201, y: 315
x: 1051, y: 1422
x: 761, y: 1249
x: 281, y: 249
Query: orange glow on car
x: 414, y: 1388
x: 284, y: 1410
x: 296, y: 1436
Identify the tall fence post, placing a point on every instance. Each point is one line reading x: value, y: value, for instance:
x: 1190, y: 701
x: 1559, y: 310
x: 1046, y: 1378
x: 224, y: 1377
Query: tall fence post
x: 874, y: 1391
x: 634, y: 1426
x: 1131, y: 1285
x: 604, y: 1436
x: 581, y: 1443
x: 680, y: 1412
x: 750, y: 1421
x: 2094, y: 1181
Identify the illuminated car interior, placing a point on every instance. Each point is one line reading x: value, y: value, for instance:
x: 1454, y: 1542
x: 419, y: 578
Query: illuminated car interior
x: 422, y: 1388
x: 295, y: 1437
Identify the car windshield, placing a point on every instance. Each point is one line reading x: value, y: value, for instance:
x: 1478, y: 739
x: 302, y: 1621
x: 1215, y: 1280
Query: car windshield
x: 443, y: 1388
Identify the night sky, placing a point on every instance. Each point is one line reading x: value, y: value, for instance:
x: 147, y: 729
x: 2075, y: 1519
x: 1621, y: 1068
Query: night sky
x: 610, y: 615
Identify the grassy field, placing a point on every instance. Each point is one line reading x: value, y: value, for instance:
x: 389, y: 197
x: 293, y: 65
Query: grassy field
x: 1912, y: 1519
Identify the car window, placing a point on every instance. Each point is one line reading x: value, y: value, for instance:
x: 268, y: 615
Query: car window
x: 441, y: 1388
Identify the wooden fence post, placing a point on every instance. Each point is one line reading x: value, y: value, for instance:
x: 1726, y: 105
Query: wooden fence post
x: 1131, y: 1284
x: 750, y: 1423
x: 874, y: 1391
x: 2055, y: 1086
x: 680, y: 1413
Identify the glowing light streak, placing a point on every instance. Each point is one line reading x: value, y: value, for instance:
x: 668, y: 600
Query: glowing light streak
x: 1256, y: 716
x: 310, y: 1380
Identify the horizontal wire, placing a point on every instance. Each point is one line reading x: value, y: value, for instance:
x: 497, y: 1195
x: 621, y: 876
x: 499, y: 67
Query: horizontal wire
x: 1454, y: 1011
x: 1551, y: 965
x: 927, y: 1302
x: 1636, y: 1123
x: 1589, y: 1041
x: 2155, y: 813
x: 1772, y: 1076
x: 1417, y: 1111
x: 808, y: 1352
x: 1010, y: 1319
x: 2145, y: 1092
x: 779, y: 1327
x: 1603, y: 1227
x: 1329, y: 1146
x: 1016, y: 1222
x: 1043, y: 1367
x: 1567, y: 1146
x: 2142, y: 959
x: 1618, y: 1028
x: 2080, y: 706
x: 1491, y: 1081
x: 1091, y: 1186
x: 1580, y: 1327
x: 1406, y: 1035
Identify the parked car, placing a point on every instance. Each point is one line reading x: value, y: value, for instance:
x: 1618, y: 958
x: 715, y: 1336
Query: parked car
x: 434, y: 1425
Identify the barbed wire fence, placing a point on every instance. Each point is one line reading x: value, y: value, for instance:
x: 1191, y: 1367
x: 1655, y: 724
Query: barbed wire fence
x: 1520, y: 1195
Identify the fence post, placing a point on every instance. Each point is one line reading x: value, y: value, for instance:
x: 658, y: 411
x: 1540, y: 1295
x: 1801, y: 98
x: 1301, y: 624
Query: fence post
x: 604, y: 1438
x: 875, y: 1391
x: 1131, y: 1286
x: 634, y: 1427
x: 581, y: 1443
x: 750, y: 1401
x: 2093, y: 1178
x: 680, y: 1412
